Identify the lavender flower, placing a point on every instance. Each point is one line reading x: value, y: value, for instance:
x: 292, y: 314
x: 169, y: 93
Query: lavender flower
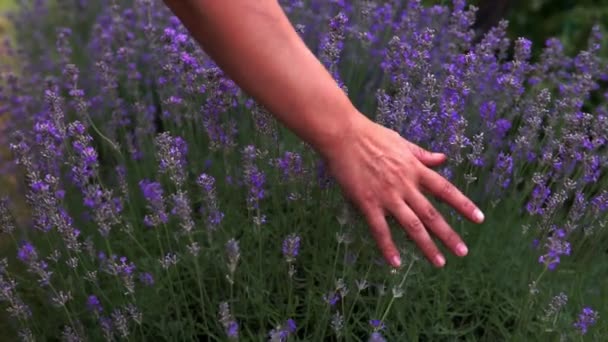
x: 555, y: 246
x: 168, y: 260
x: 290, y: 165
x: 84, y: 162
x: 29, y: 256
x: 231, y: 326
x: 153, y: 193
x: 337, y: 323
x: 587, y: 318
x: 8, y: 294
x: 122, y: 268
x: 254, y: 178
x: 291, y: 247
x: 183, y: 211
x: 146, y: 279
x: 94, y: 305
x: 27, y: 253
x: 376, y: 337
x: 555, y: 306
x: 282, y: 332
x: 211, y: 209
x: 332, y: 45
x: 376, y: 324
x: 233, y: 254
x: 171, y: 153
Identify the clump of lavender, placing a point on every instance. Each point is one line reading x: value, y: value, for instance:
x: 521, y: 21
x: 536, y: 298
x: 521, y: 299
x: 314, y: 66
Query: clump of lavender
x: 152, y: 109
x: 9, y: 296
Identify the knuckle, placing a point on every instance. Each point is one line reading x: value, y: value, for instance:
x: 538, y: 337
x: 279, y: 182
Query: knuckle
x: 431, y: 214
x: 446, y: 189
x: 421, y: 152
x: 416, y: 226
x: 366, y: 200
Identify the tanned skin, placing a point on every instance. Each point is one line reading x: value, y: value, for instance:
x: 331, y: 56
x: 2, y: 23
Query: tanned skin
x: 378, y: 170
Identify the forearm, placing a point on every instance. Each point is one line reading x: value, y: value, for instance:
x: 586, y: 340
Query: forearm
x: 256, y: 45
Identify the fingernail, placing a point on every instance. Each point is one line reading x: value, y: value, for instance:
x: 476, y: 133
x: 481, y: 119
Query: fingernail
x: 440, y: 260
x: 478, y: 215
x: 396, y: 261
x: 462, y: 249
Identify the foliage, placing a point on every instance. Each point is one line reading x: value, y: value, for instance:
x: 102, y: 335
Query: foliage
x: 165, y: 204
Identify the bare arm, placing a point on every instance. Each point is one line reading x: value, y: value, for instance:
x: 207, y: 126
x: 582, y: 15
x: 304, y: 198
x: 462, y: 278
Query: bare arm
x: 256, y: 45
x: 380, y: 172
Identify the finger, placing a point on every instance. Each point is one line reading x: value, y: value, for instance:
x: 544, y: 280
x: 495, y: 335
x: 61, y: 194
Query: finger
x: 428, y: 158
x: 435, y: 222
x: 382, y: 235
x: 417, y: 232
x: 448, y: 193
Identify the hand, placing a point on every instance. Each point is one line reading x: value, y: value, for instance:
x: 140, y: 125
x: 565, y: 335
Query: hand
x: 382, y: 173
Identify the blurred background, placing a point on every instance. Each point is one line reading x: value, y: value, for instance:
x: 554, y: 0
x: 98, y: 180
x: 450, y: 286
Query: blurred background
x: 568, y: 20
x: 537, y: 20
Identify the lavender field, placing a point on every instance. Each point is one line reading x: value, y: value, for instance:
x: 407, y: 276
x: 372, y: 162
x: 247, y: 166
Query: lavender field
x: 151, y: 199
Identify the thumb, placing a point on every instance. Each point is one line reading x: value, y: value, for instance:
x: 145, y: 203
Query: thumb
x: 426, y: 157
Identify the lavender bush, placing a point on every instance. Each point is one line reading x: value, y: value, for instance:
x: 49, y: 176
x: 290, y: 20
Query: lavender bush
x: 163, y: 203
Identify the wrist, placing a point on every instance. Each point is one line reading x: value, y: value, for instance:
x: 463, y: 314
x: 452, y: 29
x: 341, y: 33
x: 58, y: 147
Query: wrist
x: 347, y: 128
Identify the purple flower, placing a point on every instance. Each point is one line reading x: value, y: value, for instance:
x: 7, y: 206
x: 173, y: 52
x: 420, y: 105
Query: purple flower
x: 211, y: 207
x: 171, y: 153
x: 282, y: 332
x: 231, y: 326
x: 146, y: 278
x: 94, y: 305
x: 255, y: 180
x: 27, y: 252
x: 376, y: 337
x: 291, y: 247
x: 290, y: 325
x: 332, y: 298
x: 232, y: 330
x: 290, y: 166
x: 125, y: 267
x: 85, y: 159
x: 555, y: 246
x: 153, y: 193
x: 376, y: 324
x: 183, y: 211
x: 586, y: 319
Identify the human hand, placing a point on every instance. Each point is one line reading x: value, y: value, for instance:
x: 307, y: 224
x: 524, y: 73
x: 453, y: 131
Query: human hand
x: 382, y: 173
